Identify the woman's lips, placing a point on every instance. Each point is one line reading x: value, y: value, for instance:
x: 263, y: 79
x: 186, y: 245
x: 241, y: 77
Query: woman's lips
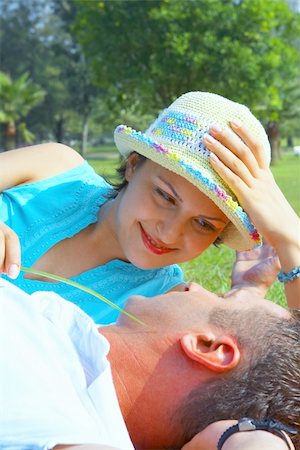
x: 153, y: 245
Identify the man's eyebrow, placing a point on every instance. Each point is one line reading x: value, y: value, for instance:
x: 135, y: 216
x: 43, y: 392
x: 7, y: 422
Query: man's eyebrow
x: 171, y: 188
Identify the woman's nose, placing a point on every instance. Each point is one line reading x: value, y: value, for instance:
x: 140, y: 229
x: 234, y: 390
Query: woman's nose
x: 170, y: 231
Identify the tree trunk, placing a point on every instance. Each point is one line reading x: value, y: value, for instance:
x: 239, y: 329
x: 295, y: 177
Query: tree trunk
x: 84, y: 135
x: 290, y: 142
x: 59, y: 129
x: 274, y: 138
x: 10, y: 134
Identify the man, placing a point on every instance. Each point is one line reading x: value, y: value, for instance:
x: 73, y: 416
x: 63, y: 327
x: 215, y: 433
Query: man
x: 198, y: 359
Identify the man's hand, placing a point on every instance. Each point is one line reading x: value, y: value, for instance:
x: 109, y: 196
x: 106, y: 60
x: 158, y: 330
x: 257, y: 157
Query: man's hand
x: 250, y: 440
x: 255, y: 269
x: 209, y: 437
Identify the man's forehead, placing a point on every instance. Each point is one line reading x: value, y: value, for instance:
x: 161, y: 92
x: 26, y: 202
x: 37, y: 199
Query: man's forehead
x: 246, y: 299
x: 277, y: 309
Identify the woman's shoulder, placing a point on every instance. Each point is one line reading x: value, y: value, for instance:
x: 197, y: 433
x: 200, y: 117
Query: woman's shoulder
x: 81, y: 174
x: 158, y: 280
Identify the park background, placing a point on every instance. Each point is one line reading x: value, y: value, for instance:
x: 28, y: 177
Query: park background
x: 72, y: 70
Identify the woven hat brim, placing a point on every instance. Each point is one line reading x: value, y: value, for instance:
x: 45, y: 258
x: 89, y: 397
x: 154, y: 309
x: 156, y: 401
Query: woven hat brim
x: 239, y: 234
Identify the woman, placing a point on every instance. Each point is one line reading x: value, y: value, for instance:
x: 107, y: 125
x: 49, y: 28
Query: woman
x: 189, y: 181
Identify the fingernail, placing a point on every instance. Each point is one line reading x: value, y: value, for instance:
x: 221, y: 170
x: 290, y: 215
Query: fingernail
x: 209, y: 139
x: 215, y: 129
x: 236, y: 123
x: 13, y: 271
x: 213, y: 157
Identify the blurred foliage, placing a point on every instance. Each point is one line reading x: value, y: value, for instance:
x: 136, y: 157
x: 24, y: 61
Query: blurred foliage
x: 17, y: 98
x: 154, y: 51
x: 120, y: 61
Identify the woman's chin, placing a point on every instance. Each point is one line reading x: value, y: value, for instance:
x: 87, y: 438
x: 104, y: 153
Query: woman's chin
x: 146, y: 263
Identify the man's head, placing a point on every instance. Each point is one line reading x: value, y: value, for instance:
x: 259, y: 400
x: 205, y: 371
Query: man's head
x: 265, y: 384
x: 205, y: 358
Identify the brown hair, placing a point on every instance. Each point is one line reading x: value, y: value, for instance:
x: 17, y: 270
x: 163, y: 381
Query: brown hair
x: 265, y: 385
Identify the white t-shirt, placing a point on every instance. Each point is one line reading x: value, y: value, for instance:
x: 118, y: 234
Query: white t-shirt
x: 55, y: 380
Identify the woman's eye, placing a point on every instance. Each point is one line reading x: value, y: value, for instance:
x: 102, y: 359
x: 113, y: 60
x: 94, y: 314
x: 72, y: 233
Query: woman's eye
x: 203, y: 224
x: 166, y: 197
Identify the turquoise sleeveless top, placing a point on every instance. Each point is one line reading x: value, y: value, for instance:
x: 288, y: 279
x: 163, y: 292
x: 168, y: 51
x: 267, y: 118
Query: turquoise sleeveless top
x: 45, y: 212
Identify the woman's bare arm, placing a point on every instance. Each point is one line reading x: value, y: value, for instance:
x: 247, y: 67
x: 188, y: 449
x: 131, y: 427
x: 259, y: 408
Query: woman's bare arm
x: 28, y: 164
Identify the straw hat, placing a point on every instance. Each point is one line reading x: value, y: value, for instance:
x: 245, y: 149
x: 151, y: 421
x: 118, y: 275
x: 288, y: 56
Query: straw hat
x: 175, y: 141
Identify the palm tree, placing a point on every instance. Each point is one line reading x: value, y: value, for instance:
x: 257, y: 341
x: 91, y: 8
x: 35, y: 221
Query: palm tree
x: 17, y: 98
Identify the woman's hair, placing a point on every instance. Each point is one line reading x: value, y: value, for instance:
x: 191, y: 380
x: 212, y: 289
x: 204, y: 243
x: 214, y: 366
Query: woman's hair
x: 122, y: 184
x: 121, y: 170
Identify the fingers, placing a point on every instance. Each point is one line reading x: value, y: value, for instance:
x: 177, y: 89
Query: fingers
x: 260, y: 253
x: 252, y: 143
x: 10, y: 254
x: 233, y: 142
x: 237, y: 184
x: 239, y: 151
x: 229, y: 159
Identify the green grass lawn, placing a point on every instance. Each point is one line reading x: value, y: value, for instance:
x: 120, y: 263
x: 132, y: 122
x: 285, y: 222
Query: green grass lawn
x: 212, y: 269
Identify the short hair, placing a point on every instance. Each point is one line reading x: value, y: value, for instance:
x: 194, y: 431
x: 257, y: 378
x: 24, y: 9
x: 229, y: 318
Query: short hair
x: 266, y: 384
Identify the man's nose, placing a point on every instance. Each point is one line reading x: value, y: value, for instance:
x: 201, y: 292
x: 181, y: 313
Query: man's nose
x: 194, y: 287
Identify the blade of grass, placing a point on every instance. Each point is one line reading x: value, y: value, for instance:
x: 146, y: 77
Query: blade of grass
x: 82, y: 288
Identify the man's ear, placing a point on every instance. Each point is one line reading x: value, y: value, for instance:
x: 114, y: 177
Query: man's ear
x: 131, y: 165
x: 218, y: 353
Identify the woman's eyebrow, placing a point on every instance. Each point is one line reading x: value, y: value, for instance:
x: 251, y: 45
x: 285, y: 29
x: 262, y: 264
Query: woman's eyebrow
x: 180, y: 199
x: 216, y: 219
x: 171, y: 188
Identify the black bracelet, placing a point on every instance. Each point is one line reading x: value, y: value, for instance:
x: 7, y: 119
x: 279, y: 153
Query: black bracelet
x: 246, y: 424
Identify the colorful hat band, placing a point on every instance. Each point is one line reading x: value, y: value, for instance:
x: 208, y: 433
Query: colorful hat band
x: 182, y: 129
x: 176, y: 128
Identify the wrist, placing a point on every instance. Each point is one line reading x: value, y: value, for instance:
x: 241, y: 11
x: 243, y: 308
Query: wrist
x: 246, y: 426
x: 254, y: 440
x: 288, y: 252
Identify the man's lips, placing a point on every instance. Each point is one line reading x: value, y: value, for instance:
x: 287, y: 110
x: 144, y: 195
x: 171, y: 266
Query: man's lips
x: 153, y: 245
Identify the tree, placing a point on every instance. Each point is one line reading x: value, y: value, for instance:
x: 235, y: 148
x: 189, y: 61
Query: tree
x: 155, y: 51
x: 36, y: 38
x: 17, y: 98
x: 80, y: 77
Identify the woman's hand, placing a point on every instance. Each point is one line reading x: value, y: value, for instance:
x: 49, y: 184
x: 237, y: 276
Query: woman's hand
x: 242, y: 162
x: 255, y: 269
x: 10, y: 253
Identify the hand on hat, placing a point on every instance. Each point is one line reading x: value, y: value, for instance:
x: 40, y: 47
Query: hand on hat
x: 240, y: 160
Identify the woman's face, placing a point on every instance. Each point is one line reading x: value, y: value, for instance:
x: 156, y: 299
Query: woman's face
x: 161, y: 218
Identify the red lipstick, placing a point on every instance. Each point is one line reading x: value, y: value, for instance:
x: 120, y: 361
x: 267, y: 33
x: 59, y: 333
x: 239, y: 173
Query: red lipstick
x: 152, y: 245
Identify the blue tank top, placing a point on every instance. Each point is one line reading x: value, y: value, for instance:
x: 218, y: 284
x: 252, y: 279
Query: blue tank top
x: 45, y: 212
